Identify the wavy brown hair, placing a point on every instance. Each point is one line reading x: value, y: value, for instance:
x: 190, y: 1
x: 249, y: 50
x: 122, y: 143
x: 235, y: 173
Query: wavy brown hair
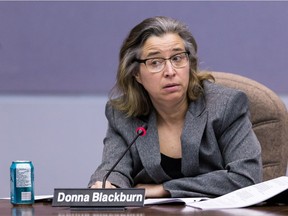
x: 128, y: 95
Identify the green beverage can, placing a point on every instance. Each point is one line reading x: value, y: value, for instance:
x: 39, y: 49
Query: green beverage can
x: 22, y: 183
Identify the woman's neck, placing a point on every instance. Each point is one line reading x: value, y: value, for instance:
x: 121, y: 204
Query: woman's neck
x: 172, y: 114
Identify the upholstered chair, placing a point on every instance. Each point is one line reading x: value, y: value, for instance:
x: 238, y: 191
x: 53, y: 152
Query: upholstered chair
x: 269, y: 118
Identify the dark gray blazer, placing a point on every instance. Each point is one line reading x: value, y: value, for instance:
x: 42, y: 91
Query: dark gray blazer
x: 220, y: 152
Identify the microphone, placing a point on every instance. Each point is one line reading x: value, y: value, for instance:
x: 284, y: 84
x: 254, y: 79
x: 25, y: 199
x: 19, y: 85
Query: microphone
x: 102, y: 198
x: 141, y: 131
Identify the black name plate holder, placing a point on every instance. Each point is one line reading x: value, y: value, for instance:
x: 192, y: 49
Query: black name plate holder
x: 98, y: 199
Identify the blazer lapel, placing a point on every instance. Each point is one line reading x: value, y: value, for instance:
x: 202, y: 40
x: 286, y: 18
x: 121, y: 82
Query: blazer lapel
x: 149, y: 152
x: 194, y: 126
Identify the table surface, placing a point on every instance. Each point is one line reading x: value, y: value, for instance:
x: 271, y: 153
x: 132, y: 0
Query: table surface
x: 45, y: 208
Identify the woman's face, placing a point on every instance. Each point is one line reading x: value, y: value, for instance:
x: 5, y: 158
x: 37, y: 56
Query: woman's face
x: 169, y: 86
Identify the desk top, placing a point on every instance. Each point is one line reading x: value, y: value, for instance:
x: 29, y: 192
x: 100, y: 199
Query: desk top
x: 45, y: 208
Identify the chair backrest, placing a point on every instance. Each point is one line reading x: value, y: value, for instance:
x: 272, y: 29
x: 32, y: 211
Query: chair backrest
x: 269, y: 118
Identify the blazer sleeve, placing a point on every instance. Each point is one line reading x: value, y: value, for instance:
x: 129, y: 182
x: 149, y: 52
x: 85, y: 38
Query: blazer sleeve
x: 240, y: 149
x: 114, y: 146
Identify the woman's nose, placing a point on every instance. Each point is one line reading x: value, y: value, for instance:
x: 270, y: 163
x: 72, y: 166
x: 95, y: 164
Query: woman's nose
x: 169, y: 70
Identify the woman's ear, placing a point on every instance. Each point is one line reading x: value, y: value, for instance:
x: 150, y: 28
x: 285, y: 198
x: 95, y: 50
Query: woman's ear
x: 138, y: 78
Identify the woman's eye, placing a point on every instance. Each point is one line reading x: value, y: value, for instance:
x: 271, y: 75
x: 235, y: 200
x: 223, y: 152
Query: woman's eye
x: 177, y: 58
x: 156, y: 62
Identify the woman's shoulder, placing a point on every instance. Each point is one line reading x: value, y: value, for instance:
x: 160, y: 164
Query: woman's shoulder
x: 111, y: 112
x: 212, y: 89
x: 219, y: 97
x: 119, y: 119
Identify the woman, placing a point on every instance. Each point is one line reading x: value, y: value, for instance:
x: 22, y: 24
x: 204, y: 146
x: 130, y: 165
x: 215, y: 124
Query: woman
x: 199, y: 140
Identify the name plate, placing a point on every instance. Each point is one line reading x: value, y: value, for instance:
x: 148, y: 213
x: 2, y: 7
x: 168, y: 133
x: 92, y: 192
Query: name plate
x: 88, y: 197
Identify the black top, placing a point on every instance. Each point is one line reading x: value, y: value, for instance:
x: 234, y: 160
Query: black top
x: 172, y: 166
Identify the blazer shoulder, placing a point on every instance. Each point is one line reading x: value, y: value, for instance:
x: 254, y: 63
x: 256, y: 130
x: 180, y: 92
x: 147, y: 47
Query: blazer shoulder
x: 213, y: 89
x: 218, y: 97
x: 121, y: 121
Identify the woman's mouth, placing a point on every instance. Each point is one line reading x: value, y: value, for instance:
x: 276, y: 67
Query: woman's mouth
x: 171, y: 87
